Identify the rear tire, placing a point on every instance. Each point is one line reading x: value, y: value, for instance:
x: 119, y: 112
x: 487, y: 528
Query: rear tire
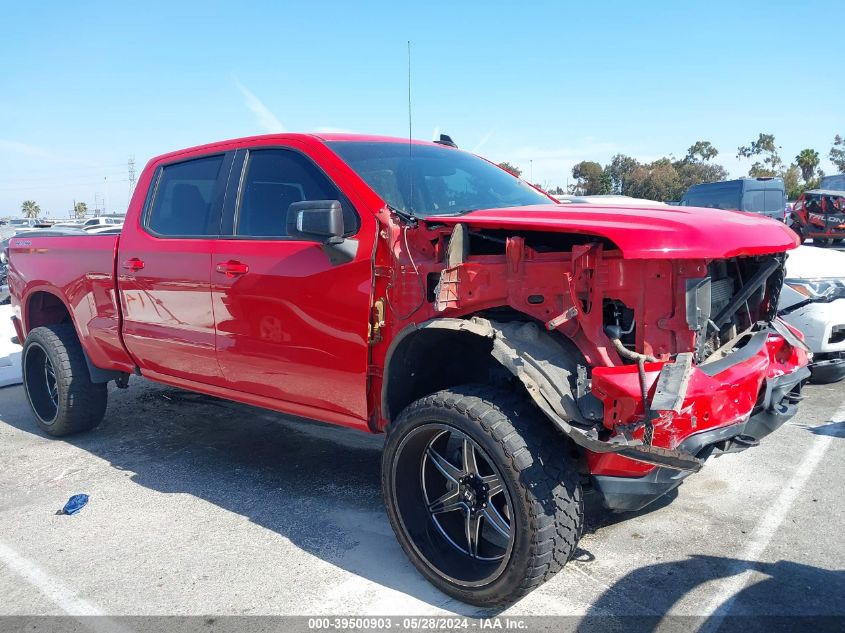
x: 57, y: 382
x: 529, y: 526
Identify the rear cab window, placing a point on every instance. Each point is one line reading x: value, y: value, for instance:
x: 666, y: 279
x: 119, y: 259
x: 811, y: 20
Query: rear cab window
x: 185, y: 201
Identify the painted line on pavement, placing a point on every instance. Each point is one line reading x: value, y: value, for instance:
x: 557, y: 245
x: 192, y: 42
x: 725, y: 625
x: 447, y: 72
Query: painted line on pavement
x: 729, y: 588
x: 56, y: 591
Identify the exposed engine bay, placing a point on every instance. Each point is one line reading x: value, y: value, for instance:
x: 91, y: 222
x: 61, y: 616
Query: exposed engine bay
x: 659, y: 348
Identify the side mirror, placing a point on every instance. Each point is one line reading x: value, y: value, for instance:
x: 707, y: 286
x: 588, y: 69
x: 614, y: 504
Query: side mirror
x: 318, y: 220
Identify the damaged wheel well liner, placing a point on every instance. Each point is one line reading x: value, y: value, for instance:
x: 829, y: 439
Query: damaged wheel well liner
x: 444, y: 352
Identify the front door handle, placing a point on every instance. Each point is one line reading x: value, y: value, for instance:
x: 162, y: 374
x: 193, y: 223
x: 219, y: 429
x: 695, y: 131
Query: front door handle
x: 232, y: 268
x: 134, y: 264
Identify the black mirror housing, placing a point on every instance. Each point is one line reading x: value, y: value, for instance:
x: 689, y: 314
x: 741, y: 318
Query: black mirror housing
x: 317, y: 220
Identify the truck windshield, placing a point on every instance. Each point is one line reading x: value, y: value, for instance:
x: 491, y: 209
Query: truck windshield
x: 429, y: 180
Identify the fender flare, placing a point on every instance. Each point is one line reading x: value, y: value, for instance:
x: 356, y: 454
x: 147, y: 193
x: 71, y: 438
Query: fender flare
x: 546, y: 369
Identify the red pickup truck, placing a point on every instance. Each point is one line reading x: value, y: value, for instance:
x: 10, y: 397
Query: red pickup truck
x: 515, y: 351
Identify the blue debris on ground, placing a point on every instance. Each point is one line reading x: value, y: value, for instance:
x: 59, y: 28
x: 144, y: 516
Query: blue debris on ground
x: 75, y: 504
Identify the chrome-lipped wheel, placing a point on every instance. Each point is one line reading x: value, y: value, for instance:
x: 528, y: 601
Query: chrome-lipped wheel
x: 453, y: 504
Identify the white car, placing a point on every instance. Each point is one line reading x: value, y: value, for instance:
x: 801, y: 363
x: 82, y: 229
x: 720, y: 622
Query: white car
x: 818, y: 273
x: 94, y: 223
x: 610, y: 200
x: 104, y: 228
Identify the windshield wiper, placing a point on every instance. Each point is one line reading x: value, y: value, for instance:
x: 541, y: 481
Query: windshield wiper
x: 408, y: 217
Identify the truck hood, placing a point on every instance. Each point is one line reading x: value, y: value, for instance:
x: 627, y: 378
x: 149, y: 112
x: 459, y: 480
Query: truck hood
x: 659, y: 232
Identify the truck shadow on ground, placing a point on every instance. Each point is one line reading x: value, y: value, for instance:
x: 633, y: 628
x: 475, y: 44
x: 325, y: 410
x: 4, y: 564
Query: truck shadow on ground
x: 319, y: 486
x: 833, y: 429
x: 783, y: 596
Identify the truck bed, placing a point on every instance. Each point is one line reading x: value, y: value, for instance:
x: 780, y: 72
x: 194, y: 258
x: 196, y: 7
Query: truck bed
x: 82, y: 267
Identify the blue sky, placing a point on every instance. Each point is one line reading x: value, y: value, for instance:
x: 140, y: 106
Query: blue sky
x: 543, y: 85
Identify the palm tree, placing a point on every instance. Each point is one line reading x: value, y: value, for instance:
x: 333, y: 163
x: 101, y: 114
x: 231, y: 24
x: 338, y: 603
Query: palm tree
x: 30, y: 209
x: 807, y: 160
x: 80, y: 209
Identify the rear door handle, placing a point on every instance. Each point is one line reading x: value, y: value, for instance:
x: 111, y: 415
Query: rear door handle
x: 134, y: 264
x: 232, y: 268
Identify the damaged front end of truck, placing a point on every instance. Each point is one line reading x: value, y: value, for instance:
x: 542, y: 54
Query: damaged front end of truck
x: 649, y: 359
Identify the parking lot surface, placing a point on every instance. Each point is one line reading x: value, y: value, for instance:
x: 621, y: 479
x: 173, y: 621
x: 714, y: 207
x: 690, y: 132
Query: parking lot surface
x: 200, y: 506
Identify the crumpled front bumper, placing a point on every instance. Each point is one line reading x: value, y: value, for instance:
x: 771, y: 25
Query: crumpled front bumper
x: 727, y: 405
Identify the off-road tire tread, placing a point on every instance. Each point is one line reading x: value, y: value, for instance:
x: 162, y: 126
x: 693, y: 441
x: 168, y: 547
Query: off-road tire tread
x: 550, y: 484
x: 82, y: 403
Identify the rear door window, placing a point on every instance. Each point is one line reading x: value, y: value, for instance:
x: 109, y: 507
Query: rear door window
x: 187, y: 199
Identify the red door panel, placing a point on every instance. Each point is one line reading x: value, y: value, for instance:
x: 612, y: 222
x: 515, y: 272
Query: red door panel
x: 164, y: 271
x: 168, y: 323
x: 290, y: 324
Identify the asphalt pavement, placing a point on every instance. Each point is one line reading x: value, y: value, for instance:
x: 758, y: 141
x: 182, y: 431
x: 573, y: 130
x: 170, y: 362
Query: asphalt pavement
x: 201, y: 506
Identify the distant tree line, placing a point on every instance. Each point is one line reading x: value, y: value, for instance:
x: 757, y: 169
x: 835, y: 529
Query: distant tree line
x: 668, y: 178
x: 30, y: 209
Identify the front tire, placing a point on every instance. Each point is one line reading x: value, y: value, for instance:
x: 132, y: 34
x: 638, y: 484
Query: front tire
x: 481, y: 493
x: 57, y: 382
x: 799, y: 231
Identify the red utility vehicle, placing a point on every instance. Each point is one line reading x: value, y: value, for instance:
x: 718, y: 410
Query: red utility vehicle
x: 819, y: 215
x: 514, y: 350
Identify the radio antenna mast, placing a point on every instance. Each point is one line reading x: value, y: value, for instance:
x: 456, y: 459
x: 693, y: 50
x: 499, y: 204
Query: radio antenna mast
x: 410, y: 137
x: 410, y: 128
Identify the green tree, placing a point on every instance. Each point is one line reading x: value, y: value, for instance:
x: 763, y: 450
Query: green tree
x: 606, y: 182
x: 80, y: 209
x: 792, y: 181
x: 837, y: 153
x: 591, y: 178
x: 701, y: 151
x: 656, y: 181
x: 807, y: 162
x: 695, y: 173
x: 30, y: 209
x: 516, y: 171
x: 619, y: 169
x: 765, y: 148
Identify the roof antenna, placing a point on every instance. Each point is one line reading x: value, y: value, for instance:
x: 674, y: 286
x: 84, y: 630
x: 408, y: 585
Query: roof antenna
x: 410, y: 141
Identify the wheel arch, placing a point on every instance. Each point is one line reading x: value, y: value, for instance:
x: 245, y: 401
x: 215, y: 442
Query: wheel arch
x: 546, y: 366
x: 447, y: 352
x: 44, y: 306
